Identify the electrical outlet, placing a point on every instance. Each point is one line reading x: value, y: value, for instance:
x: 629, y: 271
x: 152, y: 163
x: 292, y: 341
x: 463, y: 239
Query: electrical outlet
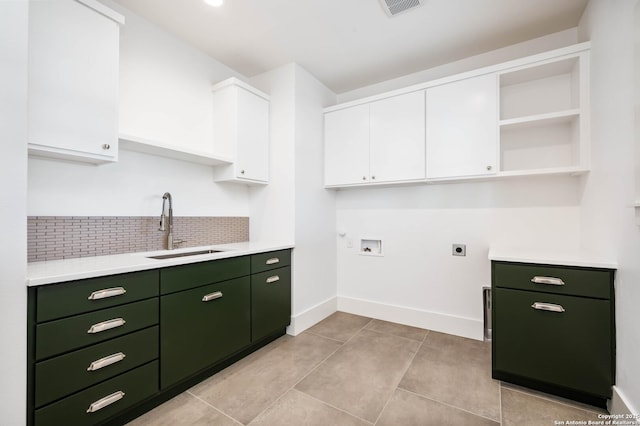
x: 459, y: 250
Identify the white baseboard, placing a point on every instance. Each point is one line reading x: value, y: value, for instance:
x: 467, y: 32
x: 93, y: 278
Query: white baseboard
x: 620, y: 404
x: 312, y: 316
x: 450, y: 324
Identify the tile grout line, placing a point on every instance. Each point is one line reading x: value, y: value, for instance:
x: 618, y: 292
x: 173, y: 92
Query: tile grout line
x: 325, y: 337
x: 397, y: 385
x: 500, y: 400
x: 215, y: 408
x: 314, y: 369
x: 550, y: 399
x: 446, y: 404
x: 334, y: 407
x: 305, y: 376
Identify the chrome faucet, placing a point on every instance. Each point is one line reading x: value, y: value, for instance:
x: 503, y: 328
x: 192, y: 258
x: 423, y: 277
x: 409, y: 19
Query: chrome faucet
x: 166, y: 197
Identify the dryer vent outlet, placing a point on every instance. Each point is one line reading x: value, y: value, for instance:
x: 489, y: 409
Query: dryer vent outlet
x: 395, y: 7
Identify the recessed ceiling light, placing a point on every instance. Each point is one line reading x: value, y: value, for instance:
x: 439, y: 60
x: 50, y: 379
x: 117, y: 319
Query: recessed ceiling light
x: 214, y: 3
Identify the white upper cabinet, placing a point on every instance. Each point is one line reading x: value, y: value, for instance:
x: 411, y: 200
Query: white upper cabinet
x: 462, y: 137
x: 377, y: 142
x: 241, y: 132
x: 397, y: 141
x: 346, y: 136
x: 73, y: 80
x: 524, y: 117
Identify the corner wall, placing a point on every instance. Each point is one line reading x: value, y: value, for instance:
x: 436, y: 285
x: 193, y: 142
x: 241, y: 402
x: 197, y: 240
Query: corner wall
x: 294, y: 207
x: 609, y: 222
x: 13, y: 215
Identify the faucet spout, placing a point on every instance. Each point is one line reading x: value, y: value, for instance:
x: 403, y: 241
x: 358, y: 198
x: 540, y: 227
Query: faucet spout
x: 163, y: 219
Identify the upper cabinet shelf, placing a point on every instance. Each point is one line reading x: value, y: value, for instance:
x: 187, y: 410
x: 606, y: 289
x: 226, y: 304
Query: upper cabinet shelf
x: 525, y: 117
x: 134, y: 143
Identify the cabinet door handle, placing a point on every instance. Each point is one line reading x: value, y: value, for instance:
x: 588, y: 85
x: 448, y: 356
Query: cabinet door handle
x: 107, y: 292
x: 212, y: 296
x: 106, y: 325
x: 106, y: 361
x: 273, y: 279
x: 548, y: 307
x: 547, y: 280
x: 106, y: 401
x: 272, y: 261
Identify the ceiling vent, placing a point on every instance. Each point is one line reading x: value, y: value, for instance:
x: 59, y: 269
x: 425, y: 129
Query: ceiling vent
x: 395, y: 7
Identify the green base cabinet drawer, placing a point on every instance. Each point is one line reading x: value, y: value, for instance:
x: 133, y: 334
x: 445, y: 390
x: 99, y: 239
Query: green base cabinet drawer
x: 271, y: 260
x: 561, y: 340
x: 184, y: 277
x: 270, y: 302
x: 102, y: 401
x: 59, y: 336
x: 576, y: 281
x: 77, y: 297
x: 202, y: 326
x: 63, y: 375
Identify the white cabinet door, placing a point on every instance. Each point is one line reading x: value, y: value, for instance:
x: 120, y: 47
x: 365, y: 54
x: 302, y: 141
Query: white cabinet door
x: 398, y: 138
x: 241, y: 132
x: 462, y: 128
x: 252, y: 157
x: 346, y: 138
x: 73, y: 81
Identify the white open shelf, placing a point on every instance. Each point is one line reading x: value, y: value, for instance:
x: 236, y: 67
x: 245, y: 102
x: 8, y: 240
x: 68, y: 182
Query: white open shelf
x: 137, y: 144
x: 541, y: 125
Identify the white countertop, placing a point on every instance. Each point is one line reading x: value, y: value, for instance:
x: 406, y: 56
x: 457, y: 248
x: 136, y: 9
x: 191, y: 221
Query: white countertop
x: 54, y: 271
x: 552, y: 257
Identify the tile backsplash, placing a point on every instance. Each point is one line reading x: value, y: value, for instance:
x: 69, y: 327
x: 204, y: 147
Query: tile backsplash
x: 66, y: 237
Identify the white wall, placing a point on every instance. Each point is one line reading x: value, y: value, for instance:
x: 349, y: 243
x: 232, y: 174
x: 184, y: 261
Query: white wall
x: 608, y: 218
x: 314, y: 275
x: 418, y: 281
x: 272, y: 206
x: 165, y: 95
x: 294, y: 207
x: 530, y: 47
x: 13, y: 187
x: 131, y: 187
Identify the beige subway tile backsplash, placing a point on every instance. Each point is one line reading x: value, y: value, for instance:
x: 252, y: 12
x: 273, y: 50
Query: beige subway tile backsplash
x: 65, y: 237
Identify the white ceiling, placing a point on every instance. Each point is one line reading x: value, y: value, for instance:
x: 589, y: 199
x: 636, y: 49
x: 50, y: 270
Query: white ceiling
x: 349, y: 44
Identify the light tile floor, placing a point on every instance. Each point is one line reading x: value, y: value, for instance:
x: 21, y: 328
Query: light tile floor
x: 352, y: 370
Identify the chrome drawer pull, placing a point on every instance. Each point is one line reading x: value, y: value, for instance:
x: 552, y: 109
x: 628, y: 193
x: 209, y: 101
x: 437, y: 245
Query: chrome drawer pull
x: 106, y: 325
x: 107, y: 292
x: 547, y: 280
x: 272, y: 261
x: 106, y: 401
x: 212, y: 296
x: 106, y: 361
x: 547, y: 307
x: 273, y: 279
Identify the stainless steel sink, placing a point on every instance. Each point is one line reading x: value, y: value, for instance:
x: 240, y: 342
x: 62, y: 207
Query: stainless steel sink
x: 183, y: 254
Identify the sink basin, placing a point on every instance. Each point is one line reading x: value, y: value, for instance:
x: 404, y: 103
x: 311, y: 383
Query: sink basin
x: 183, y: 254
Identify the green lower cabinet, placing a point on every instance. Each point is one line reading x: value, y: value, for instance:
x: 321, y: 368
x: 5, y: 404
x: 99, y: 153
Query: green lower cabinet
x: 102, y: 401
x: 568, y: 346
x: 270, y: 302
x: 59, y: 336
x: 201, y: 326
x: 103, y: 350
x: 85, y: 367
